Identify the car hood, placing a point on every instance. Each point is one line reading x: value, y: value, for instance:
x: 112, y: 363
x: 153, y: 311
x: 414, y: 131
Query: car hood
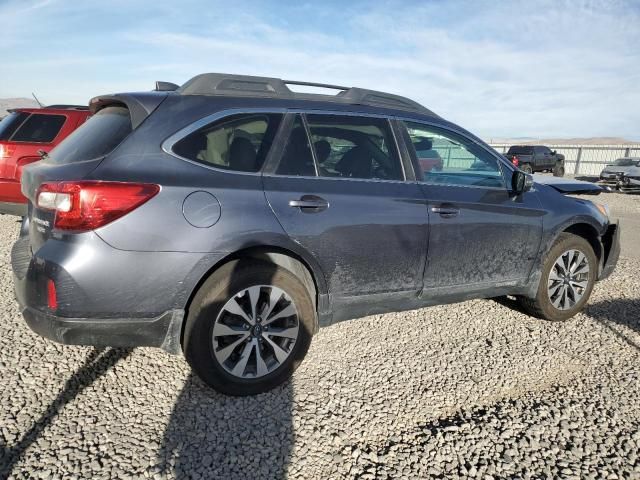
x: 567, y: 185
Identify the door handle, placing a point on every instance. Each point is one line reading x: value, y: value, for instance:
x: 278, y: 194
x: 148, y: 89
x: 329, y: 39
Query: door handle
x: 446, y: 212
x: 309, y: 202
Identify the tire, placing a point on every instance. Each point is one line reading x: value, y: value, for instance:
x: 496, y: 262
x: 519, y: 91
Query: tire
x: 542, y: 305
x: 224, y: 304
x: 558, y: 170
x: 526, y: 168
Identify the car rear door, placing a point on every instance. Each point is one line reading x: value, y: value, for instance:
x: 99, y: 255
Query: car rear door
x: 480, y: 235
x: 344, y: 197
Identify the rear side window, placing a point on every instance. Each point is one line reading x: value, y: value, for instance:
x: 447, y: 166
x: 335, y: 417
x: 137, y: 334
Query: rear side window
x: 239, y: 142
x: 39, y: 128
x: 520, y: 151
x: 10, y: 124
x: 354, y: 147
x: 96, y: 138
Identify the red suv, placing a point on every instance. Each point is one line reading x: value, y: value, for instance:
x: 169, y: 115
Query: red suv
x: 24, y: 135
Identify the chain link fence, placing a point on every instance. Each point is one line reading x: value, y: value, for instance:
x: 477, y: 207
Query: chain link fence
x: 588, y: 160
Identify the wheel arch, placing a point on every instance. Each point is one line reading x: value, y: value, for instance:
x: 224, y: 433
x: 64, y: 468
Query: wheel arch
x: 589, y: 233
x: 305, y: 269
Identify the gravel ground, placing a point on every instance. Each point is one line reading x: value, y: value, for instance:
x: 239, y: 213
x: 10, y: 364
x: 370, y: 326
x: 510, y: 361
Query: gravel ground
x: 473, y: 389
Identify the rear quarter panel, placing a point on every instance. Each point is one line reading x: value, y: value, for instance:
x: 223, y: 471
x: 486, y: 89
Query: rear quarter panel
x: 159, y: 225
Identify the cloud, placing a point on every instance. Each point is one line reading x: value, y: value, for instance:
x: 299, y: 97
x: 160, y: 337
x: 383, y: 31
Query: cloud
x: 521, y: 68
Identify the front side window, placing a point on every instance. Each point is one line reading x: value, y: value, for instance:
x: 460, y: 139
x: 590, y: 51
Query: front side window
x: 239, y: 142
x: 39, y: 128
x: 447, y: 158
x: 354, y: 147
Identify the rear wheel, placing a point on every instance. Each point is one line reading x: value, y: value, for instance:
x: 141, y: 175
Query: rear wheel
x: 558, y: 170
x: 526, y: 168
x: 249, y: 327
x: 568, y: 277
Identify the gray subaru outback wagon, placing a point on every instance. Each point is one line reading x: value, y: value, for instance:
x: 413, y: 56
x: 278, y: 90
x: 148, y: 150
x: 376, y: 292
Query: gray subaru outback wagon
x: 231, y: 217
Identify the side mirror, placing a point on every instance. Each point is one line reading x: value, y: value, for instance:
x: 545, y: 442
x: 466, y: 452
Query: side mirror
x: 521, y: 182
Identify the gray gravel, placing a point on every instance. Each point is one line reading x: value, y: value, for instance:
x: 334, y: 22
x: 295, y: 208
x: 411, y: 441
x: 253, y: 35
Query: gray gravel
x: 473, y: 389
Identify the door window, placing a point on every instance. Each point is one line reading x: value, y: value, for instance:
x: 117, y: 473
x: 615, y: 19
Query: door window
x: 297, y: 158
x: 447, y: 158
x: 354, y: 147
x: 238, y: 142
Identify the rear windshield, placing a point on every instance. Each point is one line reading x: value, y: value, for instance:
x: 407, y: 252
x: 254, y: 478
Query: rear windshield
x: 10, y: 124
x: 96, y: 138
x: 39, y: 128
x: 520, y: 151
x: 627, y: 162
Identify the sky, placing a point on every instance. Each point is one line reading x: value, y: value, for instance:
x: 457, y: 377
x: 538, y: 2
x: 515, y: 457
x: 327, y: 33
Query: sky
x: 519, y: 68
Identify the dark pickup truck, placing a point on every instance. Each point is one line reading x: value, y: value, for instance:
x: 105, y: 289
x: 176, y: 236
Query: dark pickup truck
x: 536, y: 158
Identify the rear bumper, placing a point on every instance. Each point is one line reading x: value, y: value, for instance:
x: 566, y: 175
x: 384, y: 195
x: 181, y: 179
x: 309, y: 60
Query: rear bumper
x: 104, y: 296
x: 611, y: 248
x: 12, y: 202
x: 162, y: 331
x: 30, y: 276
x: 10, y: 191
x: 9, y: 208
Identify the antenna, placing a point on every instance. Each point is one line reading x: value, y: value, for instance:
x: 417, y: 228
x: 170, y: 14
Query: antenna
x: 34, y: 96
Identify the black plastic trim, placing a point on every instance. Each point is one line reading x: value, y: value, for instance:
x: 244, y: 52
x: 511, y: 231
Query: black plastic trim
x: 611, y: 247
x: 162, y: 331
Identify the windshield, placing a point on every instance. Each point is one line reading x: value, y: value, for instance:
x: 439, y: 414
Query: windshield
x: 627, y: 162
x: 517, y: 150
x: 10, y: 124
x: 96, y: 138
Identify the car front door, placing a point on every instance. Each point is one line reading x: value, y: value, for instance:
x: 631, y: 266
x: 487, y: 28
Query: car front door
x: 481, y: 236
x: 344, y: 198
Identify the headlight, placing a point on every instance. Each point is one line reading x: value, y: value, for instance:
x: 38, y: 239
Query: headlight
x: 603, y: 209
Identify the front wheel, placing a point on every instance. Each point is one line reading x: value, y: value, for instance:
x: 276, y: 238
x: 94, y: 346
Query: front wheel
x: 249, y: 327
x: 568, y: 276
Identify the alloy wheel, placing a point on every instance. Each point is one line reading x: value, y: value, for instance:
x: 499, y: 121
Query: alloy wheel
x: 256, y: 331
x: 568, y: 279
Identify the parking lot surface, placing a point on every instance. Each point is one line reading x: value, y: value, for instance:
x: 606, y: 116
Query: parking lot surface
x: 474, y: 389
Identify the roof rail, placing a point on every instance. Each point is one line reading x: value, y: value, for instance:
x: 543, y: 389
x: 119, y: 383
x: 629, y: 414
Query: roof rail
x: 68, y: 107
x: 268, y: 87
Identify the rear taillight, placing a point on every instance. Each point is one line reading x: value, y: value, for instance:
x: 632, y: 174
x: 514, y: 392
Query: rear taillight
x: 515, y: 161
x: 6, y: 150
x: 87, y: 205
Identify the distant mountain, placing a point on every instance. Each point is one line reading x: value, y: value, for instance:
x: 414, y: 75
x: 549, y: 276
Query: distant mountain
x: 562, y: 141
x: 8, y: 103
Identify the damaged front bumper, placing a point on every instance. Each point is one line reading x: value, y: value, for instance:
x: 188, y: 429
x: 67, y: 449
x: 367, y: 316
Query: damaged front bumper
x: 621, y: 182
